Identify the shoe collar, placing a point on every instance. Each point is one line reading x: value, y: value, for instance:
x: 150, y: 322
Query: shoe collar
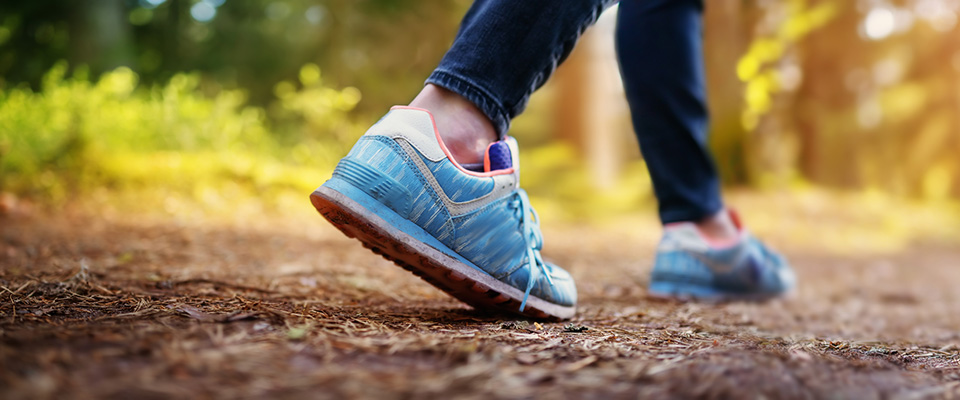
x: 513, y: 168
x: 742, y: 233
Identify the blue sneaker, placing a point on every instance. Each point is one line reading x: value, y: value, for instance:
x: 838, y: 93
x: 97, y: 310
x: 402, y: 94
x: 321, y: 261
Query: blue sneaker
x: 687, y: 266
x: 471, y: 233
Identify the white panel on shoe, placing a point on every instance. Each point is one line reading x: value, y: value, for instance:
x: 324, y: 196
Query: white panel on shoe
x: 414, y: 126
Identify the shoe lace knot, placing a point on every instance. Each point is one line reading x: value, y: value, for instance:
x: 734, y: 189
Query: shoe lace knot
x: 530, y: 229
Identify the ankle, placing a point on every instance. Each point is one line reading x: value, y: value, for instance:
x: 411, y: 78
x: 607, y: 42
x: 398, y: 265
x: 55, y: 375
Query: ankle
x: 466, y: 131
x: 719, y: 227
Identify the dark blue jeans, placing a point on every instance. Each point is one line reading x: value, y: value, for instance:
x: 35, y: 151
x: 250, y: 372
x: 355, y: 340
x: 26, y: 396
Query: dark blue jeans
x: 506, y: 49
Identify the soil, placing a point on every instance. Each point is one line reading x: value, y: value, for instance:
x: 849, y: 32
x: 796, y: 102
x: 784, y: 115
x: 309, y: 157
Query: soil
x: 129, y: 307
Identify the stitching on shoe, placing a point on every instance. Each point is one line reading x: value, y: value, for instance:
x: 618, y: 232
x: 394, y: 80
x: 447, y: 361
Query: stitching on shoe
x: 453, y: 207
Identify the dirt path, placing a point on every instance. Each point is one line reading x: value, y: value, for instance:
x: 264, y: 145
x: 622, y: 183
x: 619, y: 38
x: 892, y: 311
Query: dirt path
x: 118, y: 309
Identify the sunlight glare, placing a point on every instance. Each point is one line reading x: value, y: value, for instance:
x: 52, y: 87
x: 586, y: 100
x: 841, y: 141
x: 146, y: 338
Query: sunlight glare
x: 879, y: 24
x: 203, y: 11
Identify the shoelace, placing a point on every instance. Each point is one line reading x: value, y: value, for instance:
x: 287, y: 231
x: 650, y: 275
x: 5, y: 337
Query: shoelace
x: 533, y: 239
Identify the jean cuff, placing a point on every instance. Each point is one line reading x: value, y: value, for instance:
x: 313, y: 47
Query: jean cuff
x: 476, y: 95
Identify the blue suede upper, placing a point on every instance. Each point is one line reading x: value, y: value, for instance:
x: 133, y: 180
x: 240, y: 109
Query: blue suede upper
x: 685, y: 261
x: 490, y: 236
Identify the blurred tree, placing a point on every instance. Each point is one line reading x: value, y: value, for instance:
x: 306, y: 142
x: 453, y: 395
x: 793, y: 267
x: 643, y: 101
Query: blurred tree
x: 251, y: 44
x: 878, y: 98
x: 728, y: 25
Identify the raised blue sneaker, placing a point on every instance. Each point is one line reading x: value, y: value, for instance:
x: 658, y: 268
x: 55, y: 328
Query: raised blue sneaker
x: 688, y: 266
x: 471, y: 233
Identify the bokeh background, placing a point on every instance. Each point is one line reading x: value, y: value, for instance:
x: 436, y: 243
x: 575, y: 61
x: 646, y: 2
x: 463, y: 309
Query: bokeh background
x: 832, y: 113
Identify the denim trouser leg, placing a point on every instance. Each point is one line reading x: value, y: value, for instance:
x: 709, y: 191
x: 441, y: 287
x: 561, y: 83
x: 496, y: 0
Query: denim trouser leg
x: 659, y: 46
x: 506, y: 49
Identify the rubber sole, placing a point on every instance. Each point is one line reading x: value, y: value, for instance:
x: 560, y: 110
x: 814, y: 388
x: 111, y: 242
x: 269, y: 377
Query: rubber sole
x: 691, y: 292
x: 444, y: 271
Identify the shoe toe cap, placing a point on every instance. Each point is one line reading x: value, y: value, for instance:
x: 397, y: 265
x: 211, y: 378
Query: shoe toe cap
x: 563, y: 291
x: 558, y: 289
x: 780, y: 278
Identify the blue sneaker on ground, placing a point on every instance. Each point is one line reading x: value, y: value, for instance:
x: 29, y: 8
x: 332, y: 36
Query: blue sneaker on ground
x: 471, y: 233
x: 688, y: 266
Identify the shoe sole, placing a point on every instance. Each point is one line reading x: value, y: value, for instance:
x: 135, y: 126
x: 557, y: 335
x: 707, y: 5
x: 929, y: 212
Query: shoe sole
x: 691, y: 292
x: 462, y: 281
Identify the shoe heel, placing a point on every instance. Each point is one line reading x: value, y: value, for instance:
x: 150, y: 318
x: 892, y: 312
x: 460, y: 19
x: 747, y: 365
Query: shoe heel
x: 376, y: 184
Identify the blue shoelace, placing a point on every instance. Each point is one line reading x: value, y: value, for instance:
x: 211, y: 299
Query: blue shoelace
x: 534, y: 241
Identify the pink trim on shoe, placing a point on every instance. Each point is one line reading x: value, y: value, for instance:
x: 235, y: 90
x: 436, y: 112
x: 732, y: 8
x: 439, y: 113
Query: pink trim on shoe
x: 486, y: 158
x: 735, y: 217
x: 446, y: 151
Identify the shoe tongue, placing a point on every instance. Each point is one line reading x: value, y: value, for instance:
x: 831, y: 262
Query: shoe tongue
x: 502, y: 155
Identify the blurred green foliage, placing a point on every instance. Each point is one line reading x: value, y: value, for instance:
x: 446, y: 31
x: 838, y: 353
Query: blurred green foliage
x: 75, y: 136
x: 759, y: 69
x: 390, y: 45
x: 555, y: 177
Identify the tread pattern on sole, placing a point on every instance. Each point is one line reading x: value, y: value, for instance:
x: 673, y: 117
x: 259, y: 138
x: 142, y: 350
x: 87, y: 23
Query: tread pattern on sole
x: 475, y: 293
